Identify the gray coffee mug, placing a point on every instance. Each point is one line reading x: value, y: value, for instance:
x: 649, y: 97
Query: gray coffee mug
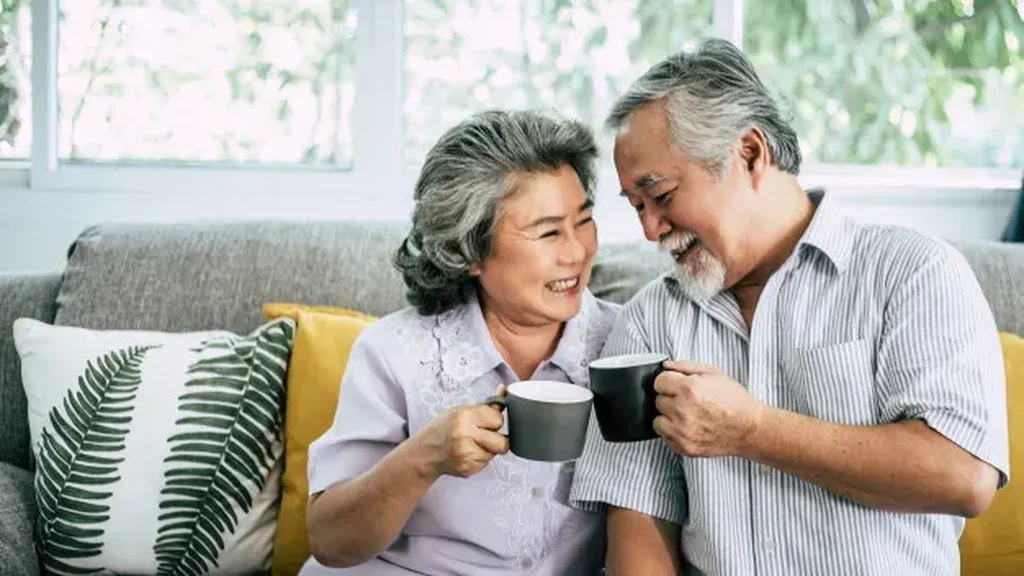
x: 624, y: 395
x: 547, y: 420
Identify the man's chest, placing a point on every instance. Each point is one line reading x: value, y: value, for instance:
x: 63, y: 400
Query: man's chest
x: 810, y: 348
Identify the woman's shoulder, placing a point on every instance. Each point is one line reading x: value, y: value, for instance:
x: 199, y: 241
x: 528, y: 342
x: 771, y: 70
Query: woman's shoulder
x: 382, y: 332
x: 387, y: 335
x: 601, y: 316
x: 601, y: 310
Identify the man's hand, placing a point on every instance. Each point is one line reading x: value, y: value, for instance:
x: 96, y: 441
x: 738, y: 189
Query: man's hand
x: 704, y: 412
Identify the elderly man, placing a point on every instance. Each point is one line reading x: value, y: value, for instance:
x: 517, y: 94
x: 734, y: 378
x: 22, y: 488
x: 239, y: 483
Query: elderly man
x: 836, y: 401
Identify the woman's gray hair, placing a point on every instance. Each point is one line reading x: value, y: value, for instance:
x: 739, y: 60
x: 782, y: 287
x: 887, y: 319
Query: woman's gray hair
x: 713, y: 96
x: 466, y: 175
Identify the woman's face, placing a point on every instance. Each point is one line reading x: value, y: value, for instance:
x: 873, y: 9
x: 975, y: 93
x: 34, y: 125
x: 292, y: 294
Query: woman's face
x: 544, y: 242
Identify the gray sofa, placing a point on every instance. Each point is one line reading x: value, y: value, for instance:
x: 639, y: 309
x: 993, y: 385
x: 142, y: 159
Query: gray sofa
x: 197, y: 276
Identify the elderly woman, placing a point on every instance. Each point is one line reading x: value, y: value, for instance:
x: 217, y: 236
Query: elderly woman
x: 414, y: 475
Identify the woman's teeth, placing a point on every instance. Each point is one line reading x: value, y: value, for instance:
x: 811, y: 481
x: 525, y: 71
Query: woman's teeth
x: 563, y: 285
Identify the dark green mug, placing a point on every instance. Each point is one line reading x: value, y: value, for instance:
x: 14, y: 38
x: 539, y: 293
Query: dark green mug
x: 547, y: 420
x: 624, y: 395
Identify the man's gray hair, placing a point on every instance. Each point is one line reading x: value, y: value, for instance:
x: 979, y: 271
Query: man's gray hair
x: 713, y: 96
x: 466, y: 175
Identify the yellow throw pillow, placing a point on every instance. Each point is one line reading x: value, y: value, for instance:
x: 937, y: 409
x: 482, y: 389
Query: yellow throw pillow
x: 323, y: 339
x: 993, y: 543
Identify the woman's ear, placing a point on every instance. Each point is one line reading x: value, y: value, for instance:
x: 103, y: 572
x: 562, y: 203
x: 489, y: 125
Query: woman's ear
x: 755, y: 153
x: 474, y: 270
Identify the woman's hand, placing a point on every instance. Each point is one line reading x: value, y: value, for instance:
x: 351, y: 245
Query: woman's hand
x: 462, y: 441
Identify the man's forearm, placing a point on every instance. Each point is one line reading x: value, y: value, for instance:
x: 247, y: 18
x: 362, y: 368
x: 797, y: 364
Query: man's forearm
x: 351, y: 523
x: 904, y: 466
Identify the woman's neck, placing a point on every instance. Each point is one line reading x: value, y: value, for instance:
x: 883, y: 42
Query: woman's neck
x: 522, y: 346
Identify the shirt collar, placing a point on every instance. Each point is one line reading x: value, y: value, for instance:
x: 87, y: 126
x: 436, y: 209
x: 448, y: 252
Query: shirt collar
x: 468, y: 352
x: 831, y: 231
x: 570, y: 355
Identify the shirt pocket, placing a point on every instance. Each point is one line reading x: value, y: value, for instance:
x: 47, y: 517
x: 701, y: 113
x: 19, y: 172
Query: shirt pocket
x: 835, y: 383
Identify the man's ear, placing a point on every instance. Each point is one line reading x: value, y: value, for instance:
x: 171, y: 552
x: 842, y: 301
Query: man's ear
x: 755, y: 153
x: 474, y: 270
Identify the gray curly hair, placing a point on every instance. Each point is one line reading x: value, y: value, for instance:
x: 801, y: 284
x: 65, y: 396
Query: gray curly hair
x: 466, y: 175
x: 713, y: 96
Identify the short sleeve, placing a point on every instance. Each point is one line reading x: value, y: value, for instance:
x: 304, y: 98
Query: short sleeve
x: 939, y: 359
x: 643, y: 476
x: 370, y: 421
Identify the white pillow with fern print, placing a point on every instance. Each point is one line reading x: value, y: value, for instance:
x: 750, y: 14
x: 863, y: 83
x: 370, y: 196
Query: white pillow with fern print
x: 156, y: 453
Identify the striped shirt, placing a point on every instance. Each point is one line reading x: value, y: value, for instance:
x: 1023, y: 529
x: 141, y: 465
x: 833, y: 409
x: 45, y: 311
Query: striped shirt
x: 862, y: 325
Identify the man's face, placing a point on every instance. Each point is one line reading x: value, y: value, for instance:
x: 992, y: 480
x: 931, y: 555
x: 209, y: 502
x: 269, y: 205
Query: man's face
x: 698, y: 218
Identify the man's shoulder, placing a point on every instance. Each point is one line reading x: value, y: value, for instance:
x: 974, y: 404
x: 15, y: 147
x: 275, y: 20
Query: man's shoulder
x: 899, y: 252
x: 654, y: 297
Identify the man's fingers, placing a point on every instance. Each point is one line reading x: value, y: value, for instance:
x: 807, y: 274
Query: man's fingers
x: 688, y: 368
x: 661, y: 425
x: 664, y: 404
x: 669, y: 383
x: 493, y: 442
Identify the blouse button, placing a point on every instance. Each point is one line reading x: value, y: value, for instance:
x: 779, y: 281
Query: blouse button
x: 526, y: 563
x: 537, y: 492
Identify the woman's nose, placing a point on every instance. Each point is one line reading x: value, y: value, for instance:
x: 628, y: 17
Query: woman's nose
x: 574, y: 251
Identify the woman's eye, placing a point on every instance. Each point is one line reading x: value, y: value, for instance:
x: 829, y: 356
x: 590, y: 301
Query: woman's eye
x: 549, y: 234
x: 638, y: 207
x: 585, y: 221
x: 662, y: 199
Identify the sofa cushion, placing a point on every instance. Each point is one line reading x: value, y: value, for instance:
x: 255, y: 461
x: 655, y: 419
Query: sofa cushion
x: 999, y: 268
x: 323, y: 339
x: 155, y: 451
x: 17, y: 520
x: 21, y: 296
x: 993, y: 544
x: 204, y: 276
x: 621, y: 270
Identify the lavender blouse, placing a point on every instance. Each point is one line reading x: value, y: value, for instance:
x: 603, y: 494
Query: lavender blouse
x: 510, y: 518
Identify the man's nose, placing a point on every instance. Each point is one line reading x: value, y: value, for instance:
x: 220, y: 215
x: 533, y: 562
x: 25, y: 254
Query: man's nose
x: 654, y: 224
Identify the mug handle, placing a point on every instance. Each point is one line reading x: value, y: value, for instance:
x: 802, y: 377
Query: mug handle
x: 497, y: 401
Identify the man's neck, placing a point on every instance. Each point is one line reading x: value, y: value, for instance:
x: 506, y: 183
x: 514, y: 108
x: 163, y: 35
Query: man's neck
x: 522, y: 346
x: 779, y: 237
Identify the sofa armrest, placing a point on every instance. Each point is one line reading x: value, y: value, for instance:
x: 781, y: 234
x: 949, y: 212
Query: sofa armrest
x: 17, y: 522
x: 29, y: 296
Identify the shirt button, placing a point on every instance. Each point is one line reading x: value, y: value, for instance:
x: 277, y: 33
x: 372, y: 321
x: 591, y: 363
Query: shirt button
x: 537, y: 492
x: 769, y: 544
x: 764, y: 469
x: 526, y: 563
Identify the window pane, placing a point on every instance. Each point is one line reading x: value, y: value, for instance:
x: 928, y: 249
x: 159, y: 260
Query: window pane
x: 15, y: 80
x: 932, y: 82
x: 575, y: 57
x: 207, y: 80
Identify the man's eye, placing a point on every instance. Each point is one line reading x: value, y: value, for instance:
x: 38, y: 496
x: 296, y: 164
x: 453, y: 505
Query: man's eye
x: 585, y: 221
x: 549, y: 234
x: 638, y: 207
x: 662, y: 199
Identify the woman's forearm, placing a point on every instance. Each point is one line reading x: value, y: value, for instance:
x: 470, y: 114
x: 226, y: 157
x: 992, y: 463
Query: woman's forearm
x: 351, y: 522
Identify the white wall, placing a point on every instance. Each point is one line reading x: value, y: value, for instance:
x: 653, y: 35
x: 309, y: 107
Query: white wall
x: 36, y: 226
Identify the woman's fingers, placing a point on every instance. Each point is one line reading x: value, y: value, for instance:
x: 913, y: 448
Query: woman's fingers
x: 492, y: 442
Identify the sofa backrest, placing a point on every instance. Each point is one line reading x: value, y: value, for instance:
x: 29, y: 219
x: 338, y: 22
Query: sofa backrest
x: 197, y: 276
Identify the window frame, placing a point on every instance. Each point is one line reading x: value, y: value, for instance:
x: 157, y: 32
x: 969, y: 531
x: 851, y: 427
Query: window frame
x: 377, y: 170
